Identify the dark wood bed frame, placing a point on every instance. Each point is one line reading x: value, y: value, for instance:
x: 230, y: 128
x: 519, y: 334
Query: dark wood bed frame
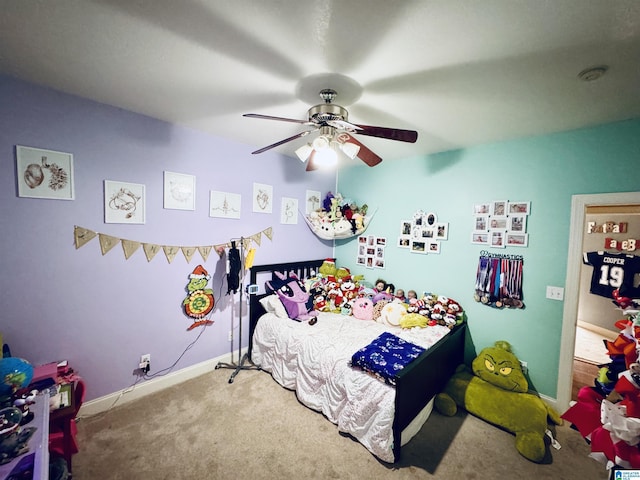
x: 416, y: 385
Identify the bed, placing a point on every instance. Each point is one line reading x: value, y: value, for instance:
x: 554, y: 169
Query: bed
x: 282, y: 346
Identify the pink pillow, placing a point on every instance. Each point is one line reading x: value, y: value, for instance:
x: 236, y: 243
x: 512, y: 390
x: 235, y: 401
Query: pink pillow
x: 362, y: 308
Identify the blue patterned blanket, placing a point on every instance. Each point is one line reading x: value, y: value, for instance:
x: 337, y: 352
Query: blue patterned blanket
x: 386, y: 356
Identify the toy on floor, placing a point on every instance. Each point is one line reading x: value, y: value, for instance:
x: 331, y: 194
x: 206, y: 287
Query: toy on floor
x: 497, y: 392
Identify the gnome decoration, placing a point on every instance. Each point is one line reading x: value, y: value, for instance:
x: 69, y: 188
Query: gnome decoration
x: 199, y: 301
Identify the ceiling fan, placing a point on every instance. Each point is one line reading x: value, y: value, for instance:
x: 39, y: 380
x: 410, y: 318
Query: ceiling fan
x: 336, y: 133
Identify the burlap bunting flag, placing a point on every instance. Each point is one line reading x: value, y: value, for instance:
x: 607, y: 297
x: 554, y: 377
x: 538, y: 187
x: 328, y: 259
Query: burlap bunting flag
x: 205, y: 251
x: 170, y: 252
x: 188, y: 253
x: 129, y: 247
x: 150, y: 250
x: 268, y: 232
x: 107, y: 242
x: 82, y: 236
x: 257, y: 238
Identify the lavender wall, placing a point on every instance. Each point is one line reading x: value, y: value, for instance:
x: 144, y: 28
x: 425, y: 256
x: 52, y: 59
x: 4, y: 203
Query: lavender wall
x: 102, y: 312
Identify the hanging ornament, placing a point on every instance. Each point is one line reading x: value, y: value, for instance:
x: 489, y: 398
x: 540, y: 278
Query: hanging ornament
x: 199, y: 301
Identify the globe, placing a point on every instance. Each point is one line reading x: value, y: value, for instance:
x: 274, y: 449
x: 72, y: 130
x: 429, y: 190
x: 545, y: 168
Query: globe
x: 15, y: 373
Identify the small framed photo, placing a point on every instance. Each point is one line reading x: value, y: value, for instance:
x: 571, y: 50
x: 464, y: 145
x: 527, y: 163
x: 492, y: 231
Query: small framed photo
x: 517, y: 239
x: 124, y: 202
x: 481, y: 238
x: 497, y: 239
x: 381, y: 241
x: 482, y: 209
x: 404, y: 241
x: 434, y: 247
x: 442, y: 231
x: 419, y: 247
x: 44, y: 173
x: 428, y: 233
x: 519, y: 207
x: 481, y: 223
x: 497, y: 223
x: 430, y: 219
x: 499, y: 208
x: 517, y: 223
x: 179, y: 191
x: 405, y: 228
x: 361, y: 260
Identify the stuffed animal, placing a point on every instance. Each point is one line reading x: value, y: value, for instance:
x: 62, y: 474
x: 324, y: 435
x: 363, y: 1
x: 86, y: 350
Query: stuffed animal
x: 497, y: 392
x: 296, y: 300
x: 362, y: 308
x: 392, y: 313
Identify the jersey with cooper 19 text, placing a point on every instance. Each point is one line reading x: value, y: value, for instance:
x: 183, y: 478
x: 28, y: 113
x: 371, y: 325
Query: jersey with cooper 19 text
x: 613, y: 271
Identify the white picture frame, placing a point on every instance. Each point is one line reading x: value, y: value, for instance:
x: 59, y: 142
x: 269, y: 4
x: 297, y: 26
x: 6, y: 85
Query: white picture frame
x: 519, y: 207
x: 442, y: 231
x: 124, y: 202
x: 312, y: 201
x: 497, y: 223
x: 480, y: 238
x: 517, y: 223
x: 262, y: 198
x: 179, y: 191
x: 289, y: 211
x: 517, y: 239
x: 46, y: 174
x: 499, y: 208
x: 224, y: 204
x: 497, y: 238
x: 419, y: 246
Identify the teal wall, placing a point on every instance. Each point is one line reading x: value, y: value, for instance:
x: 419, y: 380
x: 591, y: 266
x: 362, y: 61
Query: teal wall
x: 545, y: 170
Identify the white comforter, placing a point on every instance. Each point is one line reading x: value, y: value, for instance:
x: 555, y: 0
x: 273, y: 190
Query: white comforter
x: 314, y: 360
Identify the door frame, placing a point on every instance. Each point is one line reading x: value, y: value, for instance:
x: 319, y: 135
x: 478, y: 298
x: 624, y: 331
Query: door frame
x: 579, y: 204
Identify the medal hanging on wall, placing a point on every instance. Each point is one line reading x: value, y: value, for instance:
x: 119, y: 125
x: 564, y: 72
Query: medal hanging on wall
x: 499, y: 280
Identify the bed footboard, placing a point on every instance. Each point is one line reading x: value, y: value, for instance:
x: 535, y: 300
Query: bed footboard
x: 425, y: 377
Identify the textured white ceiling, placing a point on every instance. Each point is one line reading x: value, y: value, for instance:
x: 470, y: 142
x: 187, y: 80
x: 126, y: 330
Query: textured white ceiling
x: 460, y: 72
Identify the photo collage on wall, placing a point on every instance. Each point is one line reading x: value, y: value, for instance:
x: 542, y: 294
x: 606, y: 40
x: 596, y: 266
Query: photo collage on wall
x: 371, y: 251
x: 423, y: 233
x: 501, y: 224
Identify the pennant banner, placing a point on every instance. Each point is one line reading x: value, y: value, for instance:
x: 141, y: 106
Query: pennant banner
x: 82, y: 236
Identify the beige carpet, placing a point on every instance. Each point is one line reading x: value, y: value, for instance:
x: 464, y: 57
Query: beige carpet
x: 207, y: 428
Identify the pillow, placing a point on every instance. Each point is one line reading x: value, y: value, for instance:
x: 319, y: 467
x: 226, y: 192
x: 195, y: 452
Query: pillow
x: 272, y: 304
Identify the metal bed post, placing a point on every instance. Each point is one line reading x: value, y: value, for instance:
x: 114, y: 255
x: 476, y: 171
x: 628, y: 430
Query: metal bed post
x: 241, y: 365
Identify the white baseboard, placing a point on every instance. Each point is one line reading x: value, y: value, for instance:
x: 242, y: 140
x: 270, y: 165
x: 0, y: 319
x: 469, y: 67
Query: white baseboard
x: 102, y: 404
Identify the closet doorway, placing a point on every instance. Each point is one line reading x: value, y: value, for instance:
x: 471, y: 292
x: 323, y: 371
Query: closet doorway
x: 587, y: 318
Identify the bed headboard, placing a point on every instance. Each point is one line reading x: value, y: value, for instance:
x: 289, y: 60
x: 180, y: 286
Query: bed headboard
x: 259, y: 274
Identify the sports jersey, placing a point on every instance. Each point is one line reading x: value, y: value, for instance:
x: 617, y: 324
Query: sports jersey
x: 613, y: 271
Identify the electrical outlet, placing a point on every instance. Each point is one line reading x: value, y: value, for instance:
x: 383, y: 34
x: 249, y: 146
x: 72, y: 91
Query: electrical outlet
x: 145, y: 362
x: 231, y: 335
x: 524, y: 366
x: 555, y: 293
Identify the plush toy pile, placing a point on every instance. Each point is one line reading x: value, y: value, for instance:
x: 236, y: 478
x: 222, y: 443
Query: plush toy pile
x: 335, y: 289
x: 338, y: 217
x: 608, y: 414
x: 497, y: 391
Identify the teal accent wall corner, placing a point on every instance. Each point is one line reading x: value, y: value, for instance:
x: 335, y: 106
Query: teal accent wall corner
x: 546, y: 171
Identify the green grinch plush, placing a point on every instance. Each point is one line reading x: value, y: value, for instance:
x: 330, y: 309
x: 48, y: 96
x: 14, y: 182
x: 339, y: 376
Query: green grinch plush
x: 497, y: 392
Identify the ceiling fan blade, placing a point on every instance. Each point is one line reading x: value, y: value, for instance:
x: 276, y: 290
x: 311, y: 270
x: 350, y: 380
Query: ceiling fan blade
x: 364, y: 154
x: 310, y: 163
x: 281, y: 119
x: 277, y: 144
x: 409, y: 136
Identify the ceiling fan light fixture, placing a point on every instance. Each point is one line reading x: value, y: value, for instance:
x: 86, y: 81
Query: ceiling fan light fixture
x: 304, y: 152
x: 350, y: 149
x: 325, y: 158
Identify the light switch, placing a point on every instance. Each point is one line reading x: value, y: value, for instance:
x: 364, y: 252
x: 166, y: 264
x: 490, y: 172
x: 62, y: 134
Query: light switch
x: 555, y: 293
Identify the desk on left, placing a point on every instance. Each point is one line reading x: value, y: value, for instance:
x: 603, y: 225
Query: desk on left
x: 36, y: 456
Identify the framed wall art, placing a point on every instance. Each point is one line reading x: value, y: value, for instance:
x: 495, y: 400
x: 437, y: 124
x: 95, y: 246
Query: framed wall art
x: 262, y: 198
x: 517, y: 239
x: 224, y: 204
x: 44, y: 173
x: 312, y: 201
x: 124, y: 202
x: 289, y: 211
x: 179, y: 191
